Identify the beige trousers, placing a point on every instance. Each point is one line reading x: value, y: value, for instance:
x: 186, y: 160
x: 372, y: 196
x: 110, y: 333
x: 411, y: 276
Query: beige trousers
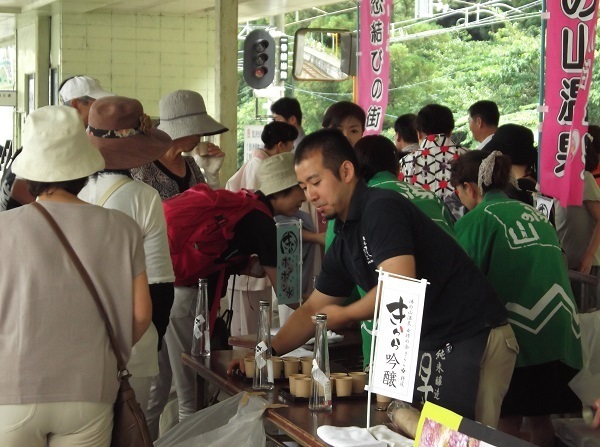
x: 497, y: 365
x: 61, y: 424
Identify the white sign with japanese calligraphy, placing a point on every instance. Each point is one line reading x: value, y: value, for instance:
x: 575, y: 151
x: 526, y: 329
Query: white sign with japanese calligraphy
x: 289, y: 262
x: 398, y: 329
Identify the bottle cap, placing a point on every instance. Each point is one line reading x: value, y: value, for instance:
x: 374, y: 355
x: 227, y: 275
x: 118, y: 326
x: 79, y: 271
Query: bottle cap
x: 321, y: 317
x: 202, y: 281
x: 264, y: 304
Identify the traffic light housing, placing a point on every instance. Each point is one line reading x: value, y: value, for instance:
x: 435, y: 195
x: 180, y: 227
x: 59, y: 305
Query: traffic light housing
x: 259, y: 59
x: 283, y: 58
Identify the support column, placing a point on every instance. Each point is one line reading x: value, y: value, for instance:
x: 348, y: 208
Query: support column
x: 226, y: 82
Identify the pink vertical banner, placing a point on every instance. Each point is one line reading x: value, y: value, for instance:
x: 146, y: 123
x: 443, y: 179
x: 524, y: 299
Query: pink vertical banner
x: 374, y: 61
x: 570, y: 37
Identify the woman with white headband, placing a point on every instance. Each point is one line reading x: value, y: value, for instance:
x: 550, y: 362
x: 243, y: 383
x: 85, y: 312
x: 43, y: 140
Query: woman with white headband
x: 518, y: 250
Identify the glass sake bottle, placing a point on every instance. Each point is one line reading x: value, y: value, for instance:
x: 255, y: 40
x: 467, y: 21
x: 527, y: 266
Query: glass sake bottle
x: 263, y: 363
x: 320, y: 396
x: 201, y: 337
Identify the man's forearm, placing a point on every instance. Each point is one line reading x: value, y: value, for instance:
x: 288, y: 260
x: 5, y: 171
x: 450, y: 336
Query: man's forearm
x: 296, y: 331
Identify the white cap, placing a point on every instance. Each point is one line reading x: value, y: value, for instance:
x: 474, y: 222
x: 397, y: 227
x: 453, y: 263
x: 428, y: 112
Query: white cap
x: 80, y: 86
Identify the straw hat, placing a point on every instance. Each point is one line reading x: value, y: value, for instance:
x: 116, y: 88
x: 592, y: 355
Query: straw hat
x: 80, y: 86
x: 124, y: 134
x: 183, y: 113
x: 277, y: 173
x: 55, y: 147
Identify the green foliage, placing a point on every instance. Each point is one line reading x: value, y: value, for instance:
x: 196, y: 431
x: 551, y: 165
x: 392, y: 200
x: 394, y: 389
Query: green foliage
x: 454, y: 68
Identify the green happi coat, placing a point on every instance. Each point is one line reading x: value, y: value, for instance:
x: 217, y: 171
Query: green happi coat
x: 519, y: 252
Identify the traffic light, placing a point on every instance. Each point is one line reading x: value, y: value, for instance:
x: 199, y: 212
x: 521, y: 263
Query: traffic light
x: 259, y: 59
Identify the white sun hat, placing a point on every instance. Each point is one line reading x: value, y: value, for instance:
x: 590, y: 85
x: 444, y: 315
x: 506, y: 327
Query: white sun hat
x: 56, y: 147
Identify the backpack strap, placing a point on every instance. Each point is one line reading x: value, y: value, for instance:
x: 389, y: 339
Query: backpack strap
x: 214, y: 310
x: 110, y: 191
x: 258, y: 204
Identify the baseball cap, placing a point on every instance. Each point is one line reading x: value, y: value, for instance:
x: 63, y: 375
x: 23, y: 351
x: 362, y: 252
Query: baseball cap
x: 80, y: 86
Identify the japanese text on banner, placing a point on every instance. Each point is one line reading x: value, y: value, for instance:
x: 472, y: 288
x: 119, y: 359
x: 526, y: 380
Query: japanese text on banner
x: 571, y: 36
x: 289, y: 262
x: 396, y: 355
x: 374, y: 62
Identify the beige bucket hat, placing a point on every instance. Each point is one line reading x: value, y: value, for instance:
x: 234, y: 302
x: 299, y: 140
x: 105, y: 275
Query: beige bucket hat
x: 277, y: 173
x: 56, y: 147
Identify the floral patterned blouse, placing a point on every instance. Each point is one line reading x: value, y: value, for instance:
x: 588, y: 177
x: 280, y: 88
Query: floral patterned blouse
x: 164, y: 181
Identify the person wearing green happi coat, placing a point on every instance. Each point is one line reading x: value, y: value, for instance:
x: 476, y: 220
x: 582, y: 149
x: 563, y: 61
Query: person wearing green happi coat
x: 518, y: 250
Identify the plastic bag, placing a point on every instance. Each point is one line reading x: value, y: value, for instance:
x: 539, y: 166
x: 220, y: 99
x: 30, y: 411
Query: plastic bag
x: 236, y: 421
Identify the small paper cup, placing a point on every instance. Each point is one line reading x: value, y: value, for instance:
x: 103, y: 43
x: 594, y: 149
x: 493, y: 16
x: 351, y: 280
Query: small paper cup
x: 359, y: 380
x: 343, y: 386
x: 306, y: 365
x: 292, y: 380
x: 202, y: 148
x: 334, y: 376
x: 291, y: 365
x: 303, y: 386
x: 382, y: 402
x: 277, y: 367
x: 249, y: 365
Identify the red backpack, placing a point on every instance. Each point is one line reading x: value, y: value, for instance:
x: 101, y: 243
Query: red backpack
x: 200, y: 224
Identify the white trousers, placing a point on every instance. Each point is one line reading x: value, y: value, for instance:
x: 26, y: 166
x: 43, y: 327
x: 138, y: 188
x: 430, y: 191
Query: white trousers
x: 141, y: 388
x: 178, y: 339
x: 59, y: 424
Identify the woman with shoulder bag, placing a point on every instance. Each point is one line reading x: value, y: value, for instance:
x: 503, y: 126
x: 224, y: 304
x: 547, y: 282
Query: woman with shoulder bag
x: 58, y: 370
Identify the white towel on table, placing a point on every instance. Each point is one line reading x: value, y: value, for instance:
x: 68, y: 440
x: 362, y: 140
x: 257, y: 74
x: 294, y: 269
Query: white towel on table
x: 393, y: 439
x: 348, y: 437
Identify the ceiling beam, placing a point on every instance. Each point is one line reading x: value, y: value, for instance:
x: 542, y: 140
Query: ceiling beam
x: 36, y: 4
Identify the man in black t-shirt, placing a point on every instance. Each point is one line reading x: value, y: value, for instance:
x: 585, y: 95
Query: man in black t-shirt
x: 463, y: 320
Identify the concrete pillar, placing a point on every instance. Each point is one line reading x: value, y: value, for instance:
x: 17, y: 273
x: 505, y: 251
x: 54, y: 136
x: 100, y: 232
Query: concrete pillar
x: 226, y: 82
x: 33, y: 62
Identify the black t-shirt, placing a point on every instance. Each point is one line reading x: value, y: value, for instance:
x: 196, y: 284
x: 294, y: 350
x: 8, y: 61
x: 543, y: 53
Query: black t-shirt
x: 381, y: 224
x: 255, y: 233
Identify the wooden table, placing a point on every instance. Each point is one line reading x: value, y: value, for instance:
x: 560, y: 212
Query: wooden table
x: 296, y: 420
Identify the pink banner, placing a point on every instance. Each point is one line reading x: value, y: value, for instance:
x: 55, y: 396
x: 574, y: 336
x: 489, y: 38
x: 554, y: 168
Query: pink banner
x: 374, y: 61
x: 570, y: 40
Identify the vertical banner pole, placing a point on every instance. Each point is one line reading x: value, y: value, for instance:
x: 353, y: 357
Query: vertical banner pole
x: 542, y: 83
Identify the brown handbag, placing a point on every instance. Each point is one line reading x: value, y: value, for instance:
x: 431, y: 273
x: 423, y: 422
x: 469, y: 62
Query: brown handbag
x: 130, y: 428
